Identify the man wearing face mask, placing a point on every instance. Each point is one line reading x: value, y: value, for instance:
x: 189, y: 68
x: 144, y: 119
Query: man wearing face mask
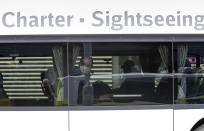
x: 85, y: 90
x: 85, y: 65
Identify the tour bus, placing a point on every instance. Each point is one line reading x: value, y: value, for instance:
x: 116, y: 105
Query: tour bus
x: 103, y: 82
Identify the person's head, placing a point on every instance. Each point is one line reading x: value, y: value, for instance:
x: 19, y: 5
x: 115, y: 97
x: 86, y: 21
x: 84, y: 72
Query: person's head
x: 127, y: 66
x: 85, y: 65
x: 45, y: 83
x: 87, y: 61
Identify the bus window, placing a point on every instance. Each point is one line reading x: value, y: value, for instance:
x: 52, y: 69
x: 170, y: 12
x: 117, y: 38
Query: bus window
x: 103, y: 74
x: 33, y: 74
x: 189, y: 82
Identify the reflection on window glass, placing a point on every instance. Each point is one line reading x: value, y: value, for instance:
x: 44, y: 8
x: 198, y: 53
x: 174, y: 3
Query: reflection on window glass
x: 120, y: 73
x: 189, y: 84
x: 33, y: 75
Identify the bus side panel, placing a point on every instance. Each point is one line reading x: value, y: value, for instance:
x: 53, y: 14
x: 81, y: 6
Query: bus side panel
x: 184, y: 120
x: 34, y: 120
x: 122, y: 120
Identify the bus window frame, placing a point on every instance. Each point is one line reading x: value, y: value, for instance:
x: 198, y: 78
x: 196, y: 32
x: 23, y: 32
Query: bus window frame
x: 57, y: 38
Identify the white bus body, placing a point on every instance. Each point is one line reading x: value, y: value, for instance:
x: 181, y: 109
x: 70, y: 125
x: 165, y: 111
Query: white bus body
x: 17, y: 34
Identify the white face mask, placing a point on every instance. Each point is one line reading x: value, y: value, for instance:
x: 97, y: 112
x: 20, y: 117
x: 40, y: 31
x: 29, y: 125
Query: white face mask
x: 85, y: 69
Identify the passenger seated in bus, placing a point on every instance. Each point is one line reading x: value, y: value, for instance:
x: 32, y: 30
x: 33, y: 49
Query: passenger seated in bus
x: 85, y: 69
x: 195, y: 87
x: 129, y: 67
x: 48, y: 90
x: 136, y: 85
x: 102, y: 92
x: 162, y: 86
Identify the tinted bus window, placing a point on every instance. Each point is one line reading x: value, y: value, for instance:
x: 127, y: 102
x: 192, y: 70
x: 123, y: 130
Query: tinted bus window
x: 33, y: 74
x: 120, y: 74
x: 189, y: 83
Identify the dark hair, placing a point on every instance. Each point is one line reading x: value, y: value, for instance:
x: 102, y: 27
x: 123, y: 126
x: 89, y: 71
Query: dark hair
x: 128, y: 66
